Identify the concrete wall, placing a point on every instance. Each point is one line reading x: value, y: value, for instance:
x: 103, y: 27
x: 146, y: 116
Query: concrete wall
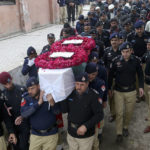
x: 26, y: 15
x: 39, y: 12
x: 9, y: 19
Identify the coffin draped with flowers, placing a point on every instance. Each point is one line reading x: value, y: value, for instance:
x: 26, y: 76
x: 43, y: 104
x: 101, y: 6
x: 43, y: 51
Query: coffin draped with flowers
x: 57, y: 67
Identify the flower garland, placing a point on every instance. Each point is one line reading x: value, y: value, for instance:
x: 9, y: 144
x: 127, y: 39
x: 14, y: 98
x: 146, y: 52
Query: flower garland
x: 81, y: 53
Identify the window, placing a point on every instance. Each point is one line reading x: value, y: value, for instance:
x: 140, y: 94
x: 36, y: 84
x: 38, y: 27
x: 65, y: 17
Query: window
x: 7, y: 2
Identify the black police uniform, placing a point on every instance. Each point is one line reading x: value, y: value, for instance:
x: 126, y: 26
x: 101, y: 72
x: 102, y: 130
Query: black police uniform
x: 82, y: 109
x: 45, y: 49
x: 146, y: 57
x: 4, y: 116
x: 109, y: 55
x: 13, y: 99
x: 125, y: 74
x: 104, y: 37
x: 139, y: 43
x: 71, y: 10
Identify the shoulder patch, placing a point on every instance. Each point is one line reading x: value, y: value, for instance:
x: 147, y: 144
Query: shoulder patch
x: 23, y: 102
x: 103, y: 88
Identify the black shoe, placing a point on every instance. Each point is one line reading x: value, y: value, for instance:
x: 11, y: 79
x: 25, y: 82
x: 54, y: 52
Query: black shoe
x: 100, y: 137
x: 119, y: 139
x: 125, y: 132
x: 112, y: 118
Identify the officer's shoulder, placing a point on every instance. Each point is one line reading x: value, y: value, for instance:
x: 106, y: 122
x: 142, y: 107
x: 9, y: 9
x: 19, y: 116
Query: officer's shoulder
x: 93, y: 92
x: 131, y: 34
x: 136, y: 58
x: 25, y: 97
x: 116, y: 58
x: 2, y: 96
x: 25, y: 94
x: 20, y: 88
x: 107, y: 49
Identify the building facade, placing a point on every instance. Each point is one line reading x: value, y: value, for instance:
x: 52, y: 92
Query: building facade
x: 26, y: 15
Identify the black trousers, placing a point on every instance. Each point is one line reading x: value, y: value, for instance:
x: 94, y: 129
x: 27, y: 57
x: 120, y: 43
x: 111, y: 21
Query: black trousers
x: 22, y: 132
x: 71, y: 13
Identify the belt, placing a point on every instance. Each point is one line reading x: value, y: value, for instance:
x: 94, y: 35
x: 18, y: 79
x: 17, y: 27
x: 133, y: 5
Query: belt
x: 124, y: 87
x: 47, y: 130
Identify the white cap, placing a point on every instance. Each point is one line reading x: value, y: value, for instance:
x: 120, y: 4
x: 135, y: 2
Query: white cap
x: 128, y: 5
x: 111, y: 6
x: 97, y: 8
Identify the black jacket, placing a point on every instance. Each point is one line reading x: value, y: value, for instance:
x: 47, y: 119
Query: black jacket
x: 83, y: 110
x: 4, y: 117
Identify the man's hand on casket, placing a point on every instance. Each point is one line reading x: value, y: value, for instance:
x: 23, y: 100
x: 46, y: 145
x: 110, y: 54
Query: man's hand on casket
x: 50, y: 99
x: 41, y: 98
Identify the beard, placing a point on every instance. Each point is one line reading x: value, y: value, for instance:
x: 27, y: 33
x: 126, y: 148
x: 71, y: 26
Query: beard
x: 35, y: 95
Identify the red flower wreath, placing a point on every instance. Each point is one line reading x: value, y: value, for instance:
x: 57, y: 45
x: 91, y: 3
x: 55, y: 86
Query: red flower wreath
x: 81, y: 53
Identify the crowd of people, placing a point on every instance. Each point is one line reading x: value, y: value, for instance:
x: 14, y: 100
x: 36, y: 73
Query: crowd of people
x: 117, y: 75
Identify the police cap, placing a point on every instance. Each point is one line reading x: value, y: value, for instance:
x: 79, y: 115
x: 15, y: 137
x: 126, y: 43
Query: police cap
x: 138, y: 24
x: 91, y: 68
x: 114, y: 35
x: 81, y: 17
x: 82, y: 77
x: 125, y: 45
x: 31, y: 50
x: 32, y: 81
x: 93, y: 56
x: 50, y: 35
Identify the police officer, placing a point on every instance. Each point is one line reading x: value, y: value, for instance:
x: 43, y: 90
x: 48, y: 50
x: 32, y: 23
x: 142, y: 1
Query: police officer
x: 122, y: 38
x: 134, y: 15
x: 105, y: 21
x: 92, y: 19
x: 110, y: 53
x: 29, y: 65
x: 99, y: 44
x: 51, y: 40
x: 63, y: 11
x: 138, y: 39
x: 6, y: 118
x: 79, y: 5
x: 84, y: 112
x: 13, y: 94
x: 114, y: 26
x: 102, y: 35
x: 87, y: 28
x: 42, y: 117
x: 102, y: 73
x: 98, y: 85
x: 80, y: 24
x: 125, y: 67
x: 146, y: 60
x: 127, y: 28
x: 71, y: 11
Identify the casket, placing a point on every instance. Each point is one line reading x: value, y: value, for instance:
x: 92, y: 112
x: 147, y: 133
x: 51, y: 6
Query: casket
x: 58, y: 82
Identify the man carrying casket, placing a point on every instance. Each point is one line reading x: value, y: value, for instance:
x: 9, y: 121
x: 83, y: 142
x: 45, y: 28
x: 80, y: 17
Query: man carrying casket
x: 84, y: 112
x: 42, y: 117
